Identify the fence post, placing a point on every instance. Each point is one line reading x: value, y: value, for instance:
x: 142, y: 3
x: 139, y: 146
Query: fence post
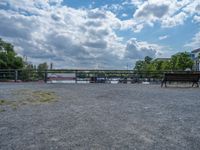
x: 75, y: 76
x: 16, y: 75
x: 45, y: 76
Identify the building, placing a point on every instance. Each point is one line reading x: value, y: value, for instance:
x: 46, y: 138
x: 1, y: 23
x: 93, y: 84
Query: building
x: 195, y: 56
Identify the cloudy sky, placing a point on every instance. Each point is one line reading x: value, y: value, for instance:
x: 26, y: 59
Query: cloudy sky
x: 104, y: 34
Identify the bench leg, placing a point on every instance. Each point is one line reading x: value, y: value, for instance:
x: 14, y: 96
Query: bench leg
x: 163, y: 82
x: 193, y: 84
x: 197, y: 84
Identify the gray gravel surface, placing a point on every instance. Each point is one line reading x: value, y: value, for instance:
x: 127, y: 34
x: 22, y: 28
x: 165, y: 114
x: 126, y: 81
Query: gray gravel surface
x: 102, y: 116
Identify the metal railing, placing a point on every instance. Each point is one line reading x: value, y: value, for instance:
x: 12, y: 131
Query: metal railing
x: 92, y: 76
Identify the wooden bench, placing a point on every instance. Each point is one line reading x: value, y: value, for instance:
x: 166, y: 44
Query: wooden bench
x: 181, y: 77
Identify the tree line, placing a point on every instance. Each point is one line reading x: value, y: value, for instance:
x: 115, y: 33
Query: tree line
x: 178, y: 62
x: 10, y: 60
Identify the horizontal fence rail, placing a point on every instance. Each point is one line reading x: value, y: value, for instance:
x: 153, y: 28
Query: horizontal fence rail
x: 86, y: 75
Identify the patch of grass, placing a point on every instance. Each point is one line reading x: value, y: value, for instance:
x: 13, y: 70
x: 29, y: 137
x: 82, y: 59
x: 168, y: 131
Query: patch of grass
x: 2, y: 101
x: 25, y: 97
x: 34, y: 97
x: 2, y: 110
x: 44, y: 96
x: 14, y: 106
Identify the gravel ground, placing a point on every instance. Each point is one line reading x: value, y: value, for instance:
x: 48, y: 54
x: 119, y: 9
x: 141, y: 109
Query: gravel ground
x: 101, y: 116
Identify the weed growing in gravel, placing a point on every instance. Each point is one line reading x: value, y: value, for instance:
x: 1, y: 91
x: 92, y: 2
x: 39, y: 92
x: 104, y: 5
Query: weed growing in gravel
x: 2, y: 110
x: 14, y: 106
x: 2, y: 101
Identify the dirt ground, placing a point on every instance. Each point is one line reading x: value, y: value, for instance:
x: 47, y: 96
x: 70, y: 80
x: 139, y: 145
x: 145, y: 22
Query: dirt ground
x: 40, y: 116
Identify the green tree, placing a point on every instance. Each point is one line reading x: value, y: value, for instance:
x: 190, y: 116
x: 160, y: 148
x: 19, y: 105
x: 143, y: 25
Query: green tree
x: 139, y: 65
x: 156, y: 65
x: 8, y: 57
x: 166, y: 66
x: 41, y: 68
x: 28, y: 73
x: 181, y: 61
x: 148, y: 59
x: 144, y: 65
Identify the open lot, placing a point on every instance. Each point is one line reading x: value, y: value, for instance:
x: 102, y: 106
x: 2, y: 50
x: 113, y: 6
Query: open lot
x: 98, y: 116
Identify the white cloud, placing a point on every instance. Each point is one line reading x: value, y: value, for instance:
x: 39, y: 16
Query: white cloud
x: 196, y: 19
x: 192, y: 7
x: 151, y: 11
x: 138, y: 50
x: 195, y: 43
x: 163, y: 37
x: 124, y: 15
x: 115, y: 8
x: 131, y: 24
x: 71, y: 38
x: 175, y: 20
x: 168, y: 13
x: 133, y: 2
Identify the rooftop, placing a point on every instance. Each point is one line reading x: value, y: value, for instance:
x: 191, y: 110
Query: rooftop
x: 196, y: 50
x: 162, y: 59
